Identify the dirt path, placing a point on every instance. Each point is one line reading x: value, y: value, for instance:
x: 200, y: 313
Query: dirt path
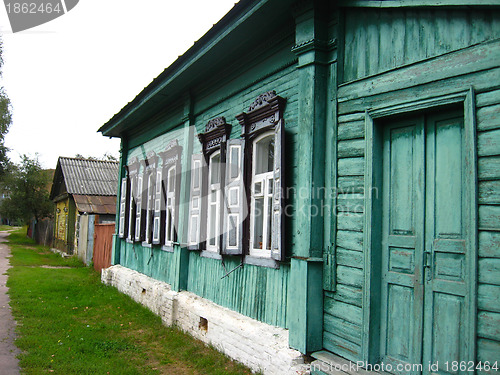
x: 8, y: 351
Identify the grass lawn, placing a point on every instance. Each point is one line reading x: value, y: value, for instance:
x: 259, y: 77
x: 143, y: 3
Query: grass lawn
x: 7, y: 227
x: 70, y: 323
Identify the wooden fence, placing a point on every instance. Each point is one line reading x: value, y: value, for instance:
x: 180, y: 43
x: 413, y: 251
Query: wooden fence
x: 103, y: 243
x: 42, y: 231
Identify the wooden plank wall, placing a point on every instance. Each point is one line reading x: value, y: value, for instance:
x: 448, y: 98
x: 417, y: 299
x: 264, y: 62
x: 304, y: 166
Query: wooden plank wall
x: 475, y: 67
x: 258, y: 292
x: 488, y: 140
x: 380, y: 40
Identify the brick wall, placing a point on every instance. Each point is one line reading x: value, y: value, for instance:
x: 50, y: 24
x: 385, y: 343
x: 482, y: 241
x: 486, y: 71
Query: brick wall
x: 260, y: 346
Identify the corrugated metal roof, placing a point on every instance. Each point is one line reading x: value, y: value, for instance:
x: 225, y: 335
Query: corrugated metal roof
x: 95, y: 204
x: 89, y: 177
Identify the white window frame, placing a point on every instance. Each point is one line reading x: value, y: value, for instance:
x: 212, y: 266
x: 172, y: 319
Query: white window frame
x: 138, y: 208
x: 266, y: 180
x: 157, y: 207
x: 131, y: 209
x: 194, y: 224
x: 123, y: 208
x: 170, y: 197
x: 214, y: 189
x: 149, y: 208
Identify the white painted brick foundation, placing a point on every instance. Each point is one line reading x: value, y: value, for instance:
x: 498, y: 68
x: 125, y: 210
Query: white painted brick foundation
x: 259, y: 346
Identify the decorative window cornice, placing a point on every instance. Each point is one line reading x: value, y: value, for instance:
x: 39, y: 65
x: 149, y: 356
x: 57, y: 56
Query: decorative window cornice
x: 151, y: 161
x: 263, y: 114
x: 133, y: 166
x: 216, y: 133
x: 172, y: 154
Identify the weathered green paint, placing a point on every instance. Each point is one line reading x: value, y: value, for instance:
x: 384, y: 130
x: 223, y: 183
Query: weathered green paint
x: 153, y: 262
x: 425, y: 275
x: 409, y: 58
x: 305, y: 305
x: 377, y: 40
x: 310, y: 39
x: 258, y: 292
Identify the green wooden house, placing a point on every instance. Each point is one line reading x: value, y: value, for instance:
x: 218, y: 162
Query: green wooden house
x: 326, y: 174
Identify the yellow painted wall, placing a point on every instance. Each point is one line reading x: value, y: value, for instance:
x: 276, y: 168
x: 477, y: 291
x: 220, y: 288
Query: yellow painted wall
x: 61, y: 219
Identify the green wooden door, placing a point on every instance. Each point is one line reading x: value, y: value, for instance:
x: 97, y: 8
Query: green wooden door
x: 424, y: 275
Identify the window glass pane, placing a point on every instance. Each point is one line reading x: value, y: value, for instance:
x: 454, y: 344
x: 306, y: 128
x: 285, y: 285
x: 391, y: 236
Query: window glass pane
x: 258, y: 223
x: 257, y: 189
x: 168, y: 225
x: 215, y: 169
x: 156, y: 228
x: 264, y: 157
x: 268, y: 219
x: 158, y: 182
x: 171, y: 179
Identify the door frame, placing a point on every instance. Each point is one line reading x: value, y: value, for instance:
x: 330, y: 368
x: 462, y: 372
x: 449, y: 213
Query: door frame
x: 370, y: 341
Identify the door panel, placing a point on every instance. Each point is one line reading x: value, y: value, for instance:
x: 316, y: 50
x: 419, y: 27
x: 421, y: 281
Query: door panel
x: 424, y: 252
x: 446, y: 319
x: 402, y: 243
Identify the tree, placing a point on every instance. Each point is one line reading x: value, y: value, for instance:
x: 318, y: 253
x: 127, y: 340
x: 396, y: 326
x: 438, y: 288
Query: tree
x: 26, y: 188
x: 5, y: 120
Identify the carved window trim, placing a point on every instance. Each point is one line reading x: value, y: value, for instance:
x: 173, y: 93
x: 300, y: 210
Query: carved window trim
x: 150, y: 165
x: 171, y: 160
x: 132, y: 173
x: 213, y: 140
x: 264, y: 115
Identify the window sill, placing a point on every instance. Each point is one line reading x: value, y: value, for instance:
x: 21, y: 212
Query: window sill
x: 263, y: 262
x: 210, y: 254
x: 145, y: 244
x: 168, y: 248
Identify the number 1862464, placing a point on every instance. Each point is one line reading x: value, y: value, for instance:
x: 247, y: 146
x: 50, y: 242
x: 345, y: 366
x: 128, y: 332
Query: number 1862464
x: 33, y: 8
x: 455, y: 366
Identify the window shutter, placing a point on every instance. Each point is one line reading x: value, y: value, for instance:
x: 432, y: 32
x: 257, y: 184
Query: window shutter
x: 158, y: 209
x: 177, y: 196
x: 122, y: 233
x: 132, y: 207
x: 196, y: 223
x: 138, y: 212
x: 234, y: 198
x: 149, y: 205
x: 277, y: 247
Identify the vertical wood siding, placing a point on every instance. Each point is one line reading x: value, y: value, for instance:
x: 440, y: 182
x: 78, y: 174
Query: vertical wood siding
x: 380, y: 40
x: 257, y: 292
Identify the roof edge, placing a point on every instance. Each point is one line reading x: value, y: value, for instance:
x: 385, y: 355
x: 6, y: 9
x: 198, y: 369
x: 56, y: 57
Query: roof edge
x: 181, y: 63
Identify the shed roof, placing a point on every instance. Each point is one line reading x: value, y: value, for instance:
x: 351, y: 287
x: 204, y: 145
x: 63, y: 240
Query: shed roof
x: 85, y: 177
x: 96, y: 204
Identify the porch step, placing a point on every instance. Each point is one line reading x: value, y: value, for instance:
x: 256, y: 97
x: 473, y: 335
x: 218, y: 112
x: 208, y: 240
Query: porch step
x: 327, y: 363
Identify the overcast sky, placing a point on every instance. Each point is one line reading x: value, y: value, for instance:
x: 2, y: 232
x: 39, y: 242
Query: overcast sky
x: 69, y: 76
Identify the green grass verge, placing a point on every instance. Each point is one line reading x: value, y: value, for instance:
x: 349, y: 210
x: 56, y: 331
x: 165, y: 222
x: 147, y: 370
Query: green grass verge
x: 70, y: 323
x: 7, y: 227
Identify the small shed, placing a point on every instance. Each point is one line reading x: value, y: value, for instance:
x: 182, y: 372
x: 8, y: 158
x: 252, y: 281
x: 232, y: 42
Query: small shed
x: 84, y: 193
